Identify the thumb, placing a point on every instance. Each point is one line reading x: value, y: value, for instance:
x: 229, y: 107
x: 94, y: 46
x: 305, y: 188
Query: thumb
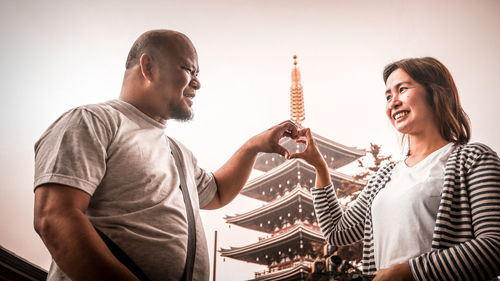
x: 283, y: 151
x: 297, y: 155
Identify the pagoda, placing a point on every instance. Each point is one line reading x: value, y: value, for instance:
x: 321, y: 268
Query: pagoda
x: 291, y: 232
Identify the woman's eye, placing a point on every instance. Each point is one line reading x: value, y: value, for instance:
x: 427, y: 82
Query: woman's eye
x: 403, y: 89
x: 388, y: 97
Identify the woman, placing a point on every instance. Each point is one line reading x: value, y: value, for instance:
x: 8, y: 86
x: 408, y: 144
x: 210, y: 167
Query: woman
x: 436, y: 214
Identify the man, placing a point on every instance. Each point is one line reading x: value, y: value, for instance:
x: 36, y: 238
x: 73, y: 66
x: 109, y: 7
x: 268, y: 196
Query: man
x: 110, y: 167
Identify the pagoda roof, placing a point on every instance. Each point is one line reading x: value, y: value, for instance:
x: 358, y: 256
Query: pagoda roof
x: 14, y: 267
x: 285, y: 177
x: 296, y: 241
x: 336, y: 154
x: 279, y: 213
x: 297, y: 272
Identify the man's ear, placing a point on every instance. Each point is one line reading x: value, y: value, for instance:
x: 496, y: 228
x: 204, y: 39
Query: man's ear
x: 146, y: 63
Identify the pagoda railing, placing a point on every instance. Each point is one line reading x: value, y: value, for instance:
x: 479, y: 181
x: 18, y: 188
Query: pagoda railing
x: 302, y: 187
x: 303, y: 261
x: 314, y: 226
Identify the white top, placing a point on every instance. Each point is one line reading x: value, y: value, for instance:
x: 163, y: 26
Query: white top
x: 404, y: 212
x: 121, y: 158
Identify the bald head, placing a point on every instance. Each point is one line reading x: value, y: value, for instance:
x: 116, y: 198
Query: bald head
x: 157, y: 43
x: 161, y: 75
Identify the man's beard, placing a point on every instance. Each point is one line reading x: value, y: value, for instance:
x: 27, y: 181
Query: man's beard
x: 182, y: 115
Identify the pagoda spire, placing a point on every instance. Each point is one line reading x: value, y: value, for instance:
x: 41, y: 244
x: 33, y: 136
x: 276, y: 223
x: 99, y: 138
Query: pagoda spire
x: 297, y: 112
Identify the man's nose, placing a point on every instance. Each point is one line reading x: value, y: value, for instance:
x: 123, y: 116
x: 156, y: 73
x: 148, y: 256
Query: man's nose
x: 195, y: 83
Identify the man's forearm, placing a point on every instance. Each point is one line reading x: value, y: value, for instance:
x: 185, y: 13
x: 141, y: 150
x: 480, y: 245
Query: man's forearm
x: 78, y: 250
x: 233, y: 175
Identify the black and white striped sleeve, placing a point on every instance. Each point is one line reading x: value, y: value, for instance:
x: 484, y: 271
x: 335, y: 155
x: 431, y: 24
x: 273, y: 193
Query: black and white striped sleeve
x: 339, y: 227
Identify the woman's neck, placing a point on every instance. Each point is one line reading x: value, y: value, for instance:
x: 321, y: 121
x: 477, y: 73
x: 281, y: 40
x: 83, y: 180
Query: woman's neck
x: 422, y: 146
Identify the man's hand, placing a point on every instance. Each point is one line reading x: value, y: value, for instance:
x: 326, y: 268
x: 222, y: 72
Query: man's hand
x: 268, y: 141
x: 398, y: 272
x: 233, y: 175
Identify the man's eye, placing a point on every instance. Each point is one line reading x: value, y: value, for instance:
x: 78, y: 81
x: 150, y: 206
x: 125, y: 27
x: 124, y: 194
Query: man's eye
x: 388, y: 97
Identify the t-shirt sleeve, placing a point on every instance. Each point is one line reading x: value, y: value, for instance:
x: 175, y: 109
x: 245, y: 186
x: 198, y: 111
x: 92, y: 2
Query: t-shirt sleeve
x: 207, y: 186
x: 72, y: 151
x: 205, y: 182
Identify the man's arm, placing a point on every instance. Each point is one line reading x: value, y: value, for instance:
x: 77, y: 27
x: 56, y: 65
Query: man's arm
x: 233, y: 175
x: 72, y: 241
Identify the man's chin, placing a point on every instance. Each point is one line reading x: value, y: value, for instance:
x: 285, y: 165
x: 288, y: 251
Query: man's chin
x: 183, y: 116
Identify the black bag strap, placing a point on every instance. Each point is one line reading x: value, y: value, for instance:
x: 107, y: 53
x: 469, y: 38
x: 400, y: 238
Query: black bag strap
x: 122, y: 257
x: 191, y: 247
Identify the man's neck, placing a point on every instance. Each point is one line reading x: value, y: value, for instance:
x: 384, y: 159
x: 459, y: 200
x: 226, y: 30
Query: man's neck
x: 140, y: 105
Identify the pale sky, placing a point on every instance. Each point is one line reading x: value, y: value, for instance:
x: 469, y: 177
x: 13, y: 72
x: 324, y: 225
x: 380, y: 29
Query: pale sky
x: 56, y: 55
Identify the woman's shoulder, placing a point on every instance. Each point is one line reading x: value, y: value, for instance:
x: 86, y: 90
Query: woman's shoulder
x: 383, y: 173
x: 467, y: 156
x: 475, y: 149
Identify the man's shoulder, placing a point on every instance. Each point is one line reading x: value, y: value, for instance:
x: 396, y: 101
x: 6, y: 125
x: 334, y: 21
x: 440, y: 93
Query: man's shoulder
x: 186, y: 152
x: 105, y: 113
x: 181, y: 146
x: 103, y: 110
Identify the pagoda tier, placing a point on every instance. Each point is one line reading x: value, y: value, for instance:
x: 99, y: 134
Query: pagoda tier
x: 294, y: 207
x: 298, y: 243
x: 296, y: 272
x: 335, y: 154
x: 280, y: 180
x: 293, y: 238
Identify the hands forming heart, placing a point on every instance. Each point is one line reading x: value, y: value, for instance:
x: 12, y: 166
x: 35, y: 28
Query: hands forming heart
x: 311, y: 154
x: 268, y: 141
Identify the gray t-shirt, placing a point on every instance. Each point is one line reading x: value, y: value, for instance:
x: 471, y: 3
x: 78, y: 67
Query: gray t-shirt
x: 121, y: 157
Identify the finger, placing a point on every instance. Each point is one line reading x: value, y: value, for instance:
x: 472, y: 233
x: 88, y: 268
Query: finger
x: 303, y: 132
x: 290, y: 134
x: 290, y: 129
x: 297, y: 155
x: 309, y: 136
x: 282, y: 151
x: 288, y: 122
x: 301, y: 141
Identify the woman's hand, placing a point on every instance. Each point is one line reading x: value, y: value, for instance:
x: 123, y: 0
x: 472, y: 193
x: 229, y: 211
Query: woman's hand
x: 312, y: 155
x: 398, y: 272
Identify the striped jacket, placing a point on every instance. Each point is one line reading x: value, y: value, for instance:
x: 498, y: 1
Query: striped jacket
x: 466, y: 238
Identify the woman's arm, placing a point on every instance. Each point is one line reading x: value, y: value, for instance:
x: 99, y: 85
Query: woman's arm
x: 338, y: 227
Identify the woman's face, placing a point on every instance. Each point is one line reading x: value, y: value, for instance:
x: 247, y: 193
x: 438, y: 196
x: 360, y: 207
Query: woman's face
x: 407, y: 107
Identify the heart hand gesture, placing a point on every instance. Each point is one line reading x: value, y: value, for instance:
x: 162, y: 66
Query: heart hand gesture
x: 312, y: 155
